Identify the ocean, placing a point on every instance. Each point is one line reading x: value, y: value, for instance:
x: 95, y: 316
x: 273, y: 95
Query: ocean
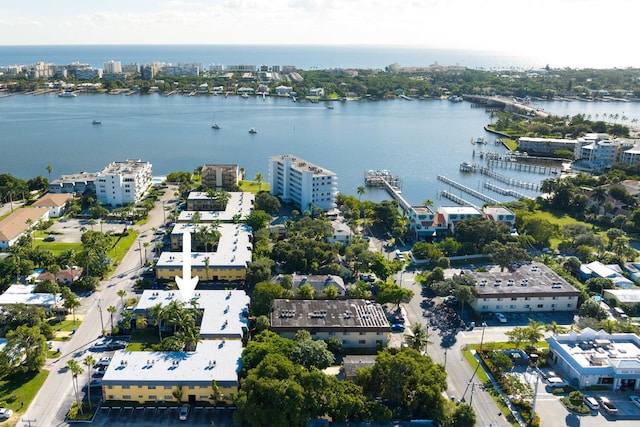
x: 303, y: 57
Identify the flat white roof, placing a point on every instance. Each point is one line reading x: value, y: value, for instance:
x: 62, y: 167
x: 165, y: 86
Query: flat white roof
x: 240, y: 203
x: 225, y: 312
x: 628, y: 296
x: 466, y: 210
x: 218, y: 360
x: 234, y: 248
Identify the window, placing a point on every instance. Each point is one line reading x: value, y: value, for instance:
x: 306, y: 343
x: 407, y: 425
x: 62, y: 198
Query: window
x: 514, y: 299
x: 126, y: 396
x: 512, y: 306
x: 151, y: 387
x: 168, y: 397
x: 527, y: 306
x: 362, y: 333
x: 554, y: 298
x: 152, y: 397
x: 527, y: 298
x: 540, y: 305
x: 345, y: 342
x: 331, y: 333
x: 126, y: 387
x: 362, y: 341
x: 569, y: 305
x: 498, y: 306
x: 499, y: 299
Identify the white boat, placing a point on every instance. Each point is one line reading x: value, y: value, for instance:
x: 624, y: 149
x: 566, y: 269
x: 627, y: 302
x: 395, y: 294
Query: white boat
x: 253, y: 131
x: 67, y: 95
x: 245, y: 96
x: 215, y: 126
x: 96, y: 122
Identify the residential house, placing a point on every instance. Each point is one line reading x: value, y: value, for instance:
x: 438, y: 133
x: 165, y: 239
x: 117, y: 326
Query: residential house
x: 56, y: 203
x: 24, y: 294
x: 627, y: 297
x: 17, y: 223
x: 319, y: 283
x: 611, y: 271
x: 65, y: 276
x: 425, y: 224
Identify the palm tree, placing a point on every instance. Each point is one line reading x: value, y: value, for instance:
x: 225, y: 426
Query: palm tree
x: 75, y: 369
x: 177, y: 393
x: 419, y: 337
x: 609, y: 325
x: 122, y: 293
x: 49, y: 169
x: 554, y: 328
x: 428, y: 203
x: 534, y: 331
x: 141, y: 323
x: 258, y: 178
x: 89, y: 361
x: 157, y: 314
x: 360, y: 190
x: 112, y: 309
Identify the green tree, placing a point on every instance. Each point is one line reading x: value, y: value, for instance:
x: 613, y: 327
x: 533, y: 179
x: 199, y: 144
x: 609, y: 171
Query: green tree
x: 330, y: 292
x: 112, y: 309
x: 464, y: 416
x: 89, y: 361
x: 75, y: 369
x: 311, y: 353
x: 263, y: 296
x: 506, y: 254
x: 259, y: 270
x: 555, y: 329
x: 418, y: 339
x: 392, y: 293
x: 27, y: 348
x: 306, y: 291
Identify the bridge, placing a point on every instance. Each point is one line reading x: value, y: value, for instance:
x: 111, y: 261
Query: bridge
x: 506, y: 103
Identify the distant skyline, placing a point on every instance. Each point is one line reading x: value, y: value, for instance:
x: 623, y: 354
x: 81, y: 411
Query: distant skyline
x: 564, y: 32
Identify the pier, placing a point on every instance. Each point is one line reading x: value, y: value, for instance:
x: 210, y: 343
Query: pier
x: 455, y: 199
x: 523, y: 167
x: 474, y: 168
x: 391, y: 183
x: 505, y: 191
x: 468, y: 190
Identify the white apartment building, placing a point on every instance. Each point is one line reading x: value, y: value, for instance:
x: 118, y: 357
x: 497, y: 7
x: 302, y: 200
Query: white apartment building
x: 455, y: 214
x: 121, y: 183
x: 529, y: 288
x: 112, y: 67
x: 297, y: 181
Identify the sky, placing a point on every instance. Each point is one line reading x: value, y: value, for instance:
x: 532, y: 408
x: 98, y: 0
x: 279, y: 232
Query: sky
x: 550, y: 28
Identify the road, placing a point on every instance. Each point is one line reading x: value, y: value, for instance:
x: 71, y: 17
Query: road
x: 55, y: 396
x: 462, y: 383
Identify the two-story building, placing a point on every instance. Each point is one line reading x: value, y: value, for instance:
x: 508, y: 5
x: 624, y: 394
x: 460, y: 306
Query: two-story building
x: 238, y: 205
x: 532, y: 287
x: 356, y: 323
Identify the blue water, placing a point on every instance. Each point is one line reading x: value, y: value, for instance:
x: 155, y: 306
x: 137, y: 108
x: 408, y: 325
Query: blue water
x: 304, y: 57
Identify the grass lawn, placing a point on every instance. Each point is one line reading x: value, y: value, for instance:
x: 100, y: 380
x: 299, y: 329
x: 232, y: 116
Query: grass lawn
x: 66, y: 325
x: 18, y: 390
x: 253, y: 186
x: 511, y: 143
x: 118, y: 252
x: 57, y: 247
x: 563, y: 219
x: 144, y: 340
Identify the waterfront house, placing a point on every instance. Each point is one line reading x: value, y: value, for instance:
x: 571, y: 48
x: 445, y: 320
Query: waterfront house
x: 426, y: 224
x: 455, y: 214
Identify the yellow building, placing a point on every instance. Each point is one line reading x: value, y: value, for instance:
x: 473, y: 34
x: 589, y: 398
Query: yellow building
x: 228, y: 263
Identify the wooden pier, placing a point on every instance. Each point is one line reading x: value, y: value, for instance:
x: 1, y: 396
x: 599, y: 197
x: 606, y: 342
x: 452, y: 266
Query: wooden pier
x: 505, y: 191
x: 391, y: 183
x: 464, y: 188
x: 455, y: 199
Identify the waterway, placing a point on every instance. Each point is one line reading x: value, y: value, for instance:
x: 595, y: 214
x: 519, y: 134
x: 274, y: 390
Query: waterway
x: 416, y: 140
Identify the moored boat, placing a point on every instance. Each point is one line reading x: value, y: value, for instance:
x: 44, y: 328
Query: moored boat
x: 253, y: 131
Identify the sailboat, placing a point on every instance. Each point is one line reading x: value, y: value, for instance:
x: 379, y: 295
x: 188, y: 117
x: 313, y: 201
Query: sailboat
x: 253, y: 131
x: 215, y: 125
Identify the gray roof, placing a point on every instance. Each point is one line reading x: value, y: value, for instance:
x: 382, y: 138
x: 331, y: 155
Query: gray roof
x: 240, y: 203
x: 319, y: 282
x: 534, y: 279
x: 328, y: 315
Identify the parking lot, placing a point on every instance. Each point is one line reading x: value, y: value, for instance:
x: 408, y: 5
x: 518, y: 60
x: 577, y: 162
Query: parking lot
x: 162, y: 416
x: 69, y: 230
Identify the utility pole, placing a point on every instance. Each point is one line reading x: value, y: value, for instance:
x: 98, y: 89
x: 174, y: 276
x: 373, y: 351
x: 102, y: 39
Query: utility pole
x: 535, y: 397
x: 142, y: 262
x: 100, y: 311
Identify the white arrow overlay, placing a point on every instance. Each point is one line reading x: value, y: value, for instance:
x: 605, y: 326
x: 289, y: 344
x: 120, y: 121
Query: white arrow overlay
x: 186, y: 284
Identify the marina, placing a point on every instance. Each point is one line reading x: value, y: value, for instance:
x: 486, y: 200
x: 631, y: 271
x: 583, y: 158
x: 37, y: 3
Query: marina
x: 478, y: 195
x: 384, y: 179
x: 456, y: 199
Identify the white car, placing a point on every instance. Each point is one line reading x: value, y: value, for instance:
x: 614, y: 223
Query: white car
x: 5, y: 413
x: 591, y: 402
x: 501, y: 318
x: 635, y: 400
x: 556, y: 382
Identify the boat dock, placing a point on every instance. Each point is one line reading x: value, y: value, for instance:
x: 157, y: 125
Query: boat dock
x: 505, y: 191
x: 474, y: 193
x: 485, y: 170
x: 391, y: 183
x: 455, y: 199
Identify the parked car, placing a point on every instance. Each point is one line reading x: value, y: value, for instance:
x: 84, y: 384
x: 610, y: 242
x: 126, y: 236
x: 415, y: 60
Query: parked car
x: 49, y: 239
x: 500, y: 317
x: 104, y: 361
x: 591, y: 402
x: 608, y: 406
x: 635, y: 400
x: 95, y: 383
x: 184, y: 412
x: 108, y: 346
x: 397, y: 327
x: 450, y: 300
x: 556, y: 382
x: 99, y: 373
x: 5, y: 413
